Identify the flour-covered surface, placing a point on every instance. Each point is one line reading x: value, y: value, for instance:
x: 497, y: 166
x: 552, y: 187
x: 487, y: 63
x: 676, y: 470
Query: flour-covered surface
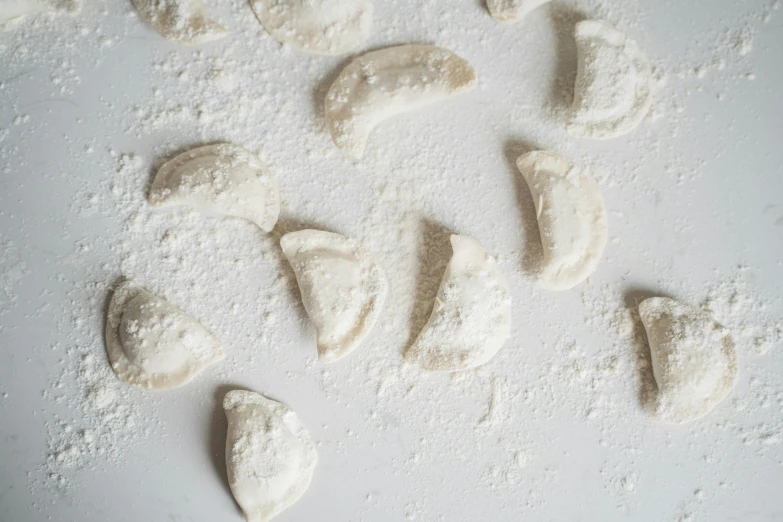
x: 555, y: 427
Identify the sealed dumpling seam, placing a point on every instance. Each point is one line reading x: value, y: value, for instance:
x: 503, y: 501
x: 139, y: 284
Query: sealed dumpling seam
x: 693, y: 358
x: 471, y: 317
x: 381, y: 84
x: 270, y: 458
x: 571, y: 218
x: 342, y: 287
x: 613, y: 90
x: 317, y: 26
x: 153, y: 344
x: 222, y: 179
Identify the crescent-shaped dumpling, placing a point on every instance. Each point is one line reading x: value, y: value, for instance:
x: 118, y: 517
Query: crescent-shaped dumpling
x: 471, y: 317
x: 223, y: 179
x: 317, y: 26
x: 153, y: 344
x: 381, y: 84
x: 10, y: 9
x: 613, y: 90
x: 342, y: 288
x: 571, y: 218
x: 182, y: 21
x: 693, y: 359
x: 269, y: 455
x: 512, y: 10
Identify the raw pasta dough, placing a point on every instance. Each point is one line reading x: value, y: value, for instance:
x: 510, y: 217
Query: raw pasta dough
x: 381, y: 84
x: 571, y: 218
x: 471, y: 317
x: 693, y: 359
x: 269, y: 456
x: 222, y: 178
x: 342, y: 288
x: 613, y: 90
x: 317, y: 26
x: 153, y: 344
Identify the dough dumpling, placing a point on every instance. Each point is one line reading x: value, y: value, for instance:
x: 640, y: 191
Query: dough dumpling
x: 222, y: 179
x: 571, y: 218
x: 381, y: 84
x: 269, y: 455
x: 693, y: 359
x: 613, y: 90
x: 342, y: 288
x: 471, y: 317
x: 182, y: 21
x: 317, y: 26
x: 153, y: 344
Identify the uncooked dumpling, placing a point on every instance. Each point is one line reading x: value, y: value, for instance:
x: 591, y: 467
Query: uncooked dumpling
x: 317, y: 26
x: 269, y: 456
x: 342, y: 288
x: 222, y: 178
x: 512, y: 10
x: 183, y: 21
x: 471, y: 317
x: 571, y: 218
x: 381, y: 84
x: 693, y: 359
x: 613, y: 91
x: 153, y: 344
x: 11, y: 9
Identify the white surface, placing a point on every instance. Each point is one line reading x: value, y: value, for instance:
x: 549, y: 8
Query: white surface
x: 411, y: 451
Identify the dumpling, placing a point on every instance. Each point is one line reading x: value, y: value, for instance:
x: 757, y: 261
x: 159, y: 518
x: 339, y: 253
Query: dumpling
x: 317, y: 26
x: 471, y: 317
x: 153, y: 344
x: 693, y: 359
x: 342, y: 288
x: 269, y: 455
x: 381, y: 84
x: 182, y: 21
x: 613, y: 90
x: 512, y: 10
x: 11, y: 9
x: 571, y: 218
x: 223, y: 179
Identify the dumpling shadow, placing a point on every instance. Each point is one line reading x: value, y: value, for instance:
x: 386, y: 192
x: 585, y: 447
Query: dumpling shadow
x: 564, y: 19
x: 532, y: 256
x: 218, y: 428
x: 434, y: 253
x: 647, y: 388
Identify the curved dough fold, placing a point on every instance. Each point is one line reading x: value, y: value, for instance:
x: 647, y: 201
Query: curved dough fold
x: 153, y: 344
x: 269, y: 455
x: 613, y: 90
x: 471, y: 317
x: 223, y: 179
x: 571, y: 218
x: 342, y: 288
x: 381, y: 84
x: 317, y: 26
x: 693, y: 359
